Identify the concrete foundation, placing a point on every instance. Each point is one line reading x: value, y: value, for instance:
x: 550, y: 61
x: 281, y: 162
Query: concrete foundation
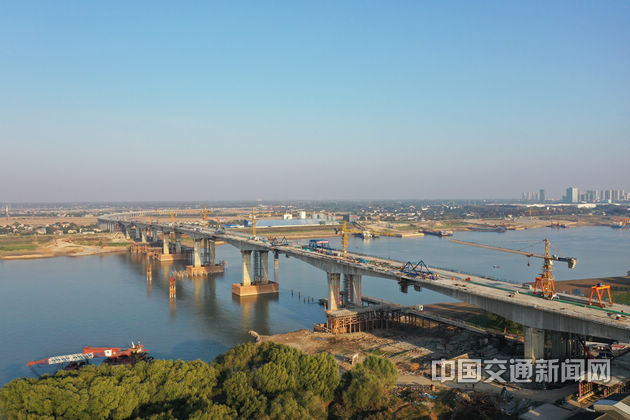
x: 203, y: 270
x: 172, y: 257
x: 254, y: 289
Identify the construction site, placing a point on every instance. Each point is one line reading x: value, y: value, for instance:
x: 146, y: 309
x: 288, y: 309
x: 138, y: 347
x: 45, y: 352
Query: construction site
x: 417, y: 335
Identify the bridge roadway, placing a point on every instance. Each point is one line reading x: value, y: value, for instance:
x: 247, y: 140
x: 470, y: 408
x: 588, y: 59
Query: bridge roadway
x: 544, y: 320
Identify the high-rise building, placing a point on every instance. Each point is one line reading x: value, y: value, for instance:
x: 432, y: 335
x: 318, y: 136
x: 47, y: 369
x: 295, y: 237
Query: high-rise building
x: 572, y: 195
x: 541, y: 195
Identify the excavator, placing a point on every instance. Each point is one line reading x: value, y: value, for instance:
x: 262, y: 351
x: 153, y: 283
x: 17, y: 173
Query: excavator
x: 545, y: 285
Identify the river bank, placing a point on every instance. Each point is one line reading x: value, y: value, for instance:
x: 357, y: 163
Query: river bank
x: 49, y: 246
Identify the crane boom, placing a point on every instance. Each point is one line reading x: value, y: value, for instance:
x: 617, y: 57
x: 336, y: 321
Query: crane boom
x: 571, y: 262
x: 545, y: 281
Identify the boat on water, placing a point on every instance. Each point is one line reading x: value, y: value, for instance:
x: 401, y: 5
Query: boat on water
x: 440, y: 233
x: 500, y: 229
x: 622, y: 224
x: 112, y: 355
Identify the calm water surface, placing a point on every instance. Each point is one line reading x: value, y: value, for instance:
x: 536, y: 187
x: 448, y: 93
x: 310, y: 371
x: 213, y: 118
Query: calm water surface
x: 57, y: 306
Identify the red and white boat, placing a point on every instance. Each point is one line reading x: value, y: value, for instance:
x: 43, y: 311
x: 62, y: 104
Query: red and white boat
x: 112, y: 355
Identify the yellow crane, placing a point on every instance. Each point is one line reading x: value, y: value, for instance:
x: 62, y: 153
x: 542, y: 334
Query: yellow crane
x: 545, y: 281
x: 204, y: 216
x: 254, y: 221
x: 344, y: 236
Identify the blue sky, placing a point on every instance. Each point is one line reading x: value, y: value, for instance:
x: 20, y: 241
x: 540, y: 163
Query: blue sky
x: 312, y: 100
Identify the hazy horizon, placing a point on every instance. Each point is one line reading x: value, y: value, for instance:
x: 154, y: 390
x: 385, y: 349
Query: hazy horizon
x: 154, y: 101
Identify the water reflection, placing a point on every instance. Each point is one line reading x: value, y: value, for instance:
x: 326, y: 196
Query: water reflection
x: 58, y: 305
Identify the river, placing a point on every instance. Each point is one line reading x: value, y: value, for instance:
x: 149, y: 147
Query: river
x: 58, y: 305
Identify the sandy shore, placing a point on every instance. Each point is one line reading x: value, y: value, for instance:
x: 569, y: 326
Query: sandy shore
x: 70, y: 246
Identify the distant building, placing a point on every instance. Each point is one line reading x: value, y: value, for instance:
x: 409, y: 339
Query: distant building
x: 350, y: 218
x: 287, y: 216
x: 572, y: 195
x: 302, y: 215
x: 541, y: 195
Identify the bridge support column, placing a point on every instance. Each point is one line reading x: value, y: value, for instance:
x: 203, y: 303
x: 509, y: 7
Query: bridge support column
x: 197, y: 253
x: 155, y: 235
x: 138, y: 233
x: 178, y: 243
x: 126, y: 232
x: 247, y: 268
x: 564, y: 345
x: 211, y: 252
x: 334, y: 279
x: 355, y: 289
x: 534, y: 343
x: 165, y: 243
x: 264, y: 267
x: 143, y: 236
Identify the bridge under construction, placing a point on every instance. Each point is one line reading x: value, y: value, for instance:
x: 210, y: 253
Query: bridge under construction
x: 547, y: 323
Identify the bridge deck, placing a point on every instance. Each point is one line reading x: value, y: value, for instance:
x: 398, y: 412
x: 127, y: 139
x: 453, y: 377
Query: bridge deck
x: 514, y: 301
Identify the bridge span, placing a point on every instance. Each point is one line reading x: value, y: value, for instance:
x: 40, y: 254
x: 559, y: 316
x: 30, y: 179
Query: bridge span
x: 559, y: 322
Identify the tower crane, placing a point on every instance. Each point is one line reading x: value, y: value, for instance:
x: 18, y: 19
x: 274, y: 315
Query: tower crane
x: 254, y: 222
x: 545, y: 281
x: 204, y: 216
x: 344, y: 235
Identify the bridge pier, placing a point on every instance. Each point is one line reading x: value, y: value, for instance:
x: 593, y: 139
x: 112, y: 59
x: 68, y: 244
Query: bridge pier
x: 534, y: 343
x: 264, y: 266
x: 196, y: 253
x: 143, y: 237
x: 138, y: 232
x: 261, y: 267
x: 262, y: 284
x: 166, y: 242
x: 247, y: 267
x: 156, y: 238
x: 355, y: 289
x: 178, y: 243
x: 211, y: 252
x: 334, y: 279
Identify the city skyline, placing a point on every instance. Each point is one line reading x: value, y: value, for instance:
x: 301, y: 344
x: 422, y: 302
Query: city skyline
x: 150, y: 101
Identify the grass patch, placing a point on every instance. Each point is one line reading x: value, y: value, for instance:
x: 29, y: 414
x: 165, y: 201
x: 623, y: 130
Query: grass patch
x: 622, y: 297
x: 375, y: 351
x: 18, y: 247
x: 116, y: 244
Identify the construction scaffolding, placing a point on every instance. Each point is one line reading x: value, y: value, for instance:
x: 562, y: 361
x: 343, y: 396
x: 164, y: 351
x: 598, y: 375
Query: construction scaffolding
x: 345, y: 321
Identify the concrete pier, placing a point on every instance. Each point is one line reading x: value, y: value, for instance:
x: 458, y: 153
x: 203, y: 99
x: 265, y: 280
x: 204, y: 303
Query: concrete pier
x: 197, y: 253
x: 355, y: 289
x: 246, y: 288
x: 264, y: 267
x: 534, y: 343
x: 247, y: 268
x: 211, y: 252
x: 334, y: 279
x: 143, y: 234
x: 166, y: 242
x: 178, y: 243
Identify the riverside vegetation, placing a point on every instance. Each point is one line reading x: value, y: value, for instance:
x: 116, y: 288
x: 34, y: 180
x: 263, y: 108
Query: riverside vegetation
x: 266, y: 381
